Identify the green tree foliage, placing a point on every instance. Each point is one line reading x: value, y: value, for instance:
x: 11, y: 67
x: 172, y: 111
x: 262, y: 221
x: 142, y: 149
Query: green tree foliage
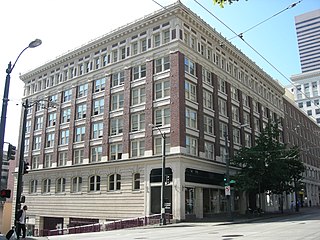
x: 269, y: 165
x: 223, y: 2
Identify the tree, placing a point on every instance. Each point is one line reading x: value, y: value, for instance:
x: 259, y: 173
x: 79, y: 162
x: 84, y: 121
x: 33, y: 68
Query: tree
x: 223, y: 2
x: 269, y: 166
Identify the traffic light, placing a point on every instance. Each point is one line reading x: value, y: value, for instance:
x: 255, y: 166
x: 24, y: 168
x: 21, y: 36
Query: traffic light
x: 23, y: 199
x: 5, y: 193
x: 225, y: 180
x: 167, y: 179
x: 11, y: 152
x: 25, y: 167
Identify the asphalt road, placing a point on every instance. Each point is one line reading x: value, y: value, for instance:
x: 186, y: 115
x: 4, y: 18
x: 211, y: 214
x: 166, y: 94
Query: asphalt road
x: 304, y: 225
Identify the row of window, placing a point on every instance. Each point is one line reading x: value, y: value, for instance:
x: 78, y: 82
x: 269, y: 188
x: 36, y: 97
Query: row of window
x: 77, y: 186
x: 116, y: 53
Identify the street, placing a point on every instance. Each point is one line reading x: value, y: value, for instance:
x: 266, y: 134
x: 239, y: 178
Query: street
x: 304, y: 225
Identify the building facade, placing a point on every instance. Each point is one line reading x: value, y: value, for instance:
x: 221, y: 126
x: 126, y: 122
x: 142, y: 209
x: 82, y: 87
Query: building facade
x: 299, y: 130
x: 93, y: 154
x: 308, y: 32
x: 306, y: 91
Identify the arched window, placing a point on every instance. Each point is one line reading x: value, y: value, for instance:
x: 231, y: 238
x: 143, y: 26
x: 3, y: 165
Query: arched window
x: 94, y: 183
x: 61, y: 185
x: 46, y: 184
x: 136, y: 181
x: 76, y: 184
x: 33, y: 186
x: 114, y: 182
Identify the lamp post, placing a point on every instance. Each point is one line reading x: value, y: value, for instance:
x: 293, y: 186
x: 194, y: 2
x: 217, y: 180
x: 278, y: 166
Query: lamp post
x: 5, y: 100
x: 163, y: 213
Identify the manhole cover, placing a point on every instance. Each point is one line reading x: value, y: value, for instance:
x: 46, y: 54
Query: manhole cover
x: 233, y: 235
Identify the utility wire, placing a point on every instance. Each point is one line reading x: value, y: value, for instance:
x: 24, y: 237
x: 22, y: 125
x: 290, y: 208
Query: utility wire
x: 241, y: 37
x: 274, y: 15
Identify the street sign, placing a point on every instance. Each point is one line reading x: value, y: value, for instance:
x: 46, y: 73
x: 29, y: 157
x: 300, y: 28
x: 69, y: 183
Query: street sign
x: 227, y: 190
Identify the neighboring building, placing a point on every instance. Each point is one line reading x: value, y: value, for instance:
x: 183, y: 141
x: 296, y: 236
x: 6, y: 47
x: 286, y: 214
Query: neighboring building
x: 302, y: 131
x: 308, y: 34
x: 306, y: 91
x: 94, y: 156
x: 4, y: 182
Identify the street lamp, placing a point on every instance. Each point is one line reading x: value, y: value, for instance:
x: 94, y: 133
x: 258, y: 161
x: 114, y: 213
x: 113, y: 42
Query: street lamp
x: 228, y: 192
x: 163, y: 213
x: 5, y: 100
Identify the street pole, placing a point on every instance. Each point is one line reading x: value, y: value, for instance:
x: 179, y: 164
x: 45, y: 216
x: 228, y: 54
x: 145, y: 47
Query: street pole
x: 5, y: 100
x: 163, y: 211
x: 228, y: 196
x: 21, y: 160
x: 163, y: 176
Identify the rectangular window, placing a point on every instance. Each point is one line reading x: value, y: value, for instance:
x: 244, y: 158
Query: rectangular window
x: 137, y: 148
x: 156, y: 40
x: 82, y: 90
x: 115, y: 56
x: 117, y: 101
x: 62, y: 158
x: 96, y: 153
x: 162, y: 116
x: 50, y: 140
x: 166, y: 36
x: 158, y: 145
x: 189, y: 66
x: 222, y: 107
x: 234, y: 93
x: 64, y: 137
x: 138, y: 95
x: 209, y: 150
x: 137, y: 122
x: 191, y: 145
x: 190, y: 91
x: 116, y: 126
x: 236, y: 136
x: 99, y: 85
x: 67, y: 94
x: 222, y: 85
x: 207, y: 99
x: 162, y: 64
x: 139, y: 72
x: 117, y: 79
x: 47, y: 161
x: 223, y: 129
x: 76, y: 184
x: 38, y: 123
x: 65, y: 115
x: 134, y: 48
x: 235, y: 113
x: 191, y: 118
x: 35, y: 162
x: 81, y: 111
x: 247, y: 140
x: 52, y: 117
x: 208, y: 124
x: 36, y: 142
x: 162, y: 89
x: 78, y: 156
x: 143, y: 45
x: 97, y: 130
x: 98, y: 106
x: 80, y: 132
x: 115, y: 151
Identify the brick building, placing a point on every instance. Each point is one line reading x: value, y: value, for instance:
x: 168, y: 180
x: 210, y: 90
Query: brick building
x: 92, y: 152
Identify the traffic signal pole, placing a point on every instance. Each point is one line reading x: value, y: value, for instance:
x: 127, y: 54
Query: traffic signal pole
x: 21, y: 159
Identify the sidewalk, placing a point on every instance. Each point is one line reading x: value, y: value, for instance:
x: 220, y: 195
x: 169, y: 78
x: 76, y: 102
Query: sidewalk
x: 222, y: 220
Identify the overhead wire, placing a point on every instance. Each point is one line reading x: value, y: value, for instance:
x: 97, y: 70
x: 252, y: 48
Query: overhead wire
x: 274, y: 15
x: 241, y: 37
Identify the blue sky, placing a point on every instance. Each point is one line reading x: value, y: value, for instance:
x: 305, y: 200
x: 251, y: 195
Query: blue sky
x: 65, y: 25
x: 275, y: 39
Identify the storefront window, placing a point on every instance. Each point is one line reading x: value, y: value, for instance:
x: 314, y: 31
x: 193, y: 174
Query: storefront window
x: 189, y: 196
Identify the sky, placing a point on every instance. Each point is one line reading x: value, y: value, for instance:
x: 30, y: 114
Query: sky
x: 66, y: 25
